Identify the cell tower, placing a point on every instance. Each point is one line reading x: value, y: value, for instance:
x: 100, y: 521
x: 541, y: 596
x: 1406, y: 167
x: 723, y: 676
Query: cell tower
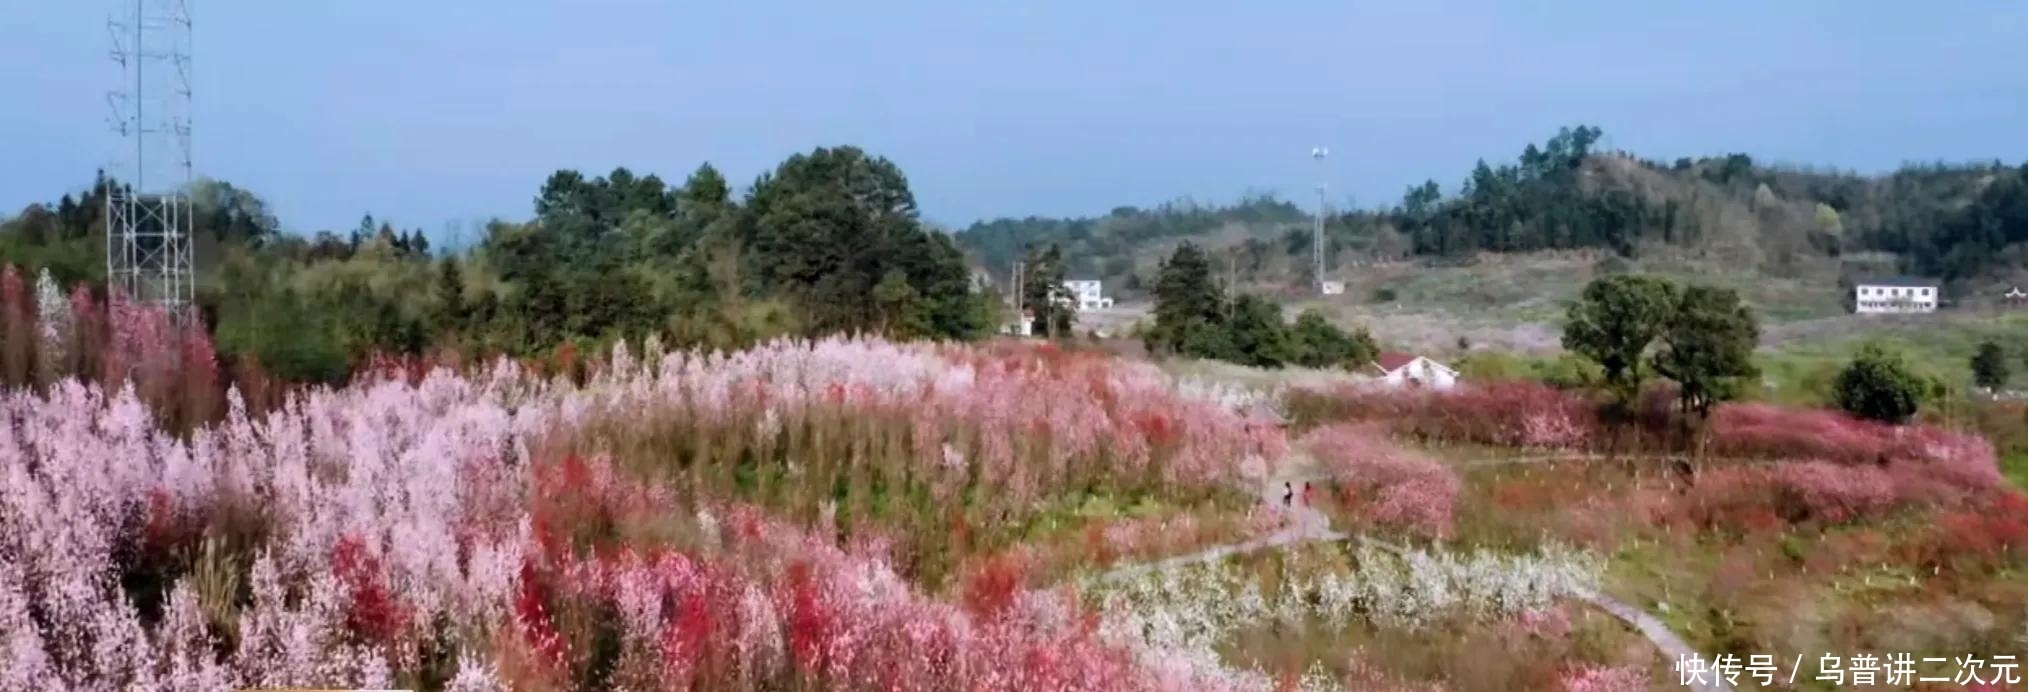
x: 1317, y: 235
x: 148, y: 213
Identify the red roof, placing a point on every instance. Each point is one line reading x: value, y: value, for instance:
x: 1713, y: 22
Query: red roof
x: 1390, y: 361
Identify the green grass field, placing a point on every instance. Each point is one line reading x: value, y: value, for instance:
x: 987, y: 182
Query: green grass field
x: 1939, y: 345
x: 1516, y: 302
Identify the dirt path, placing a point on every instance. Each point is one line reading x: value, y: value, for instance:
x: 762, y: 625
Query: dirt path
x: 1658, y: 633
x: 1305, y: 524
x: 1673, y: 647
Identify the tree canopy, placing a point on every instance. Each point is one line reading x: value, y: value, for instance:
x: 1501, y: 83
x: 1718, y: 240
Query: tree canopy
x: 827, y: 242
x: 1316, y: 343
x: 1187, y: 301
x: 1989, y: 365
x: 1707, y: 347
x: 1615, y: 320
x: 1194, y: 318
x: 1878, y: 385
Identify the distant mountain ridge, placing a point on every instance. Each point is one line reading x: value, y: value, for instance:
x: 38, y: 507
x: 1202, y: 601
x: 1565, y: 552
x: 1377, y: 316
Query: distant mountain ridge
x: 1963, y: 224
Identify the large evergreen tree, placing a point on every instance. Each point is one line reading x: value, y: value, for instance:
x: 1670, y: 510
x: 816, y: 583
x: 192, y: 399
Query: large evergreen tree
x: 1989, y: 366
x: 1187, y: 301
x: 1255, y: 334
x: 825, y: 227
x: 450, y: 294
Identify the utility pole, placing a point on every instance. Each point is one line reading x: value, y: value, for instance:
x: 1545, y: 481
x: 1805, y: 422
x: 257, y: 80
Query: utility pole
x: 1317, y: 235
x: 1019, y: 299
x: 1231, y: 279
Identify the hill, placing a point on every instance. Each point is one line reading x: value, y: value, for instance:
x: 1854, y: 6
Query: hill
x: 1962, y: 223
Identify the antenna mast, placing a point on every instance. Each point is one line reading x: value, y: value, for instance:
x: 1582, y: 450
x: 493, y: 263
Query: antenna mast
x: 148, y: 212
x: 1317, y: 234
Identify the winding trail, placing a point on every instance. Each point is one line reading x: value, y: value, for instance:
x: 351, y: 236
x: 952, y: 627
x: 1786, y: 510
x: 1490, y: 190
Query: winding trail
x: 1673, y: 647
x: 1308, y: 524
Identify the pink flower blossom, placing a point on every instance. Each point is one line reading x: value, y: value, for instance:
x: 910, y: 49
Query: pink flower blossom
x: 1387, y: 484
x: 1606, y: 679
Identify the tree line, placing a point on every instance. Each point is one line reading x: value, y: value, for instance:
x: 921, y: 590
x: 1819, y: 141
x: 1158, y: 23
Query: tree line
x: 1951, y: 221
x: 1195, y: 317
x: 827, y: 242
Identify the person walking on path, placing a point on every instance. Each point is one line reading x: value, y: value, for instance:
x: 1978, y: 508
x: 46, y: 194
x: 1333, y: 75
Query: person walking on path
x: 1288, y: 495
x: 1306, y: 493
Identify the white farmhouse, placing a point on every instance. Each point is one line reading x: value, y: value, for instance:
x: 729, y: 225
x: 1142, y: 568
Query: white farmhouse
x: 1023, y: 326
x: 1087, y: 294
x: 1896, y: 295
x: 1407, y: 369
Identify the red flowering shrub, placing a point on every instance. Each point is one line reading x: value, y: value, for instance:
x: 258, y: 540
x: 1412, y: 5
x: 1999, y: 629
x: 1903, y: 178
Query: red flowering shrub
x: 1948, y: 464
x: 373, y: 613
x: 1390, y: 486
x: 1830, y: 492
x: 580, y: 506
x: 1507, y: 413
x: 1857, y: 469
x: 534, y: 605
x: 199, y: 383
x: 995, y: 587
x: 89, y: 336
x: 17, y: 329
x: 382, y: 366
x: 1988, y: 536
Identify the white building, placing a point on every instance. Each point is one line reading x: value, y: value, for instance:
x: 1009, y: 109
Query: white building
x: 1088, y: 294
x: 1332, y: 288
x: 1398, y: 369
x: 1024, y: 326
x: 1895, y: 296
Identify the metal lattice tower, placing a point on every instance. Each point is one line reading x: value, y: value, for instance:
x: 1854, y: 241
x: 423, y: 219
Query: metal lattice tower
x: 148, y: 213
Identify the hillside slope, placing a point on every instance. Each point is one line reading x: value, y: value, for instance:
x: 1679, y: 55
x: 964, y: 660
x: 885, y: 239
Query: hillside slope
x: 1965, y: 224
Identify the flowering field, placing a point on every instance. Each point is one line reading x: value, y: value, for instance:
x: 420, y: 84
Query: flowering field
x: 1799, y: 530
x: 857, y: 514
x: 831, y: 514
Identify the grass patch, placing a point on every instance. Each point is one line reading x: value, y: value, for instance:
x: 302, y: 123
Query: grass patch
x: 2014, y: 465
x: 1941, y: 344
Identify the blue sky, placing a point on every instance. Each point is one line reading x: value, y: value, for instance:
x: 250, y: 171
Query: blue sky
x: 429, y: 112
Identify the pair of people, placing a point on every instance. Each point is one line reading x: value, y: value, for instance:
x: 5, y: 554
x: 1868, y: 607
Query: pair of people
x: 1289, y: 494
